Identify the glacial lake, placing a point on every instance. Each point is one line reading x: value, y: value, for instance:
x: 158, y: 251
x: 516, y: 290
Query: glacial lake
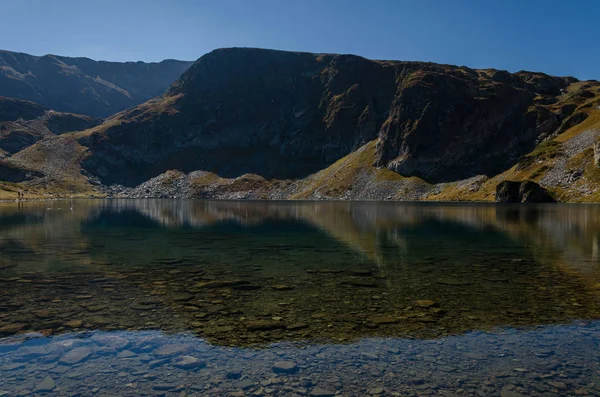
x: 236, y: 298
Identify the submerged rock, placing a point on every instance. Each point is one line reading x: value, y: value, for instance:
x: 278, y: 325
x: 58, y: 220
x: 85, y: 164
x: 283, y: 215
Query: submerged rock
x: 171, y: 350
x: 46, y: 385
x: 285, y: 367
x: 189, y: 362
x: 76, y: 355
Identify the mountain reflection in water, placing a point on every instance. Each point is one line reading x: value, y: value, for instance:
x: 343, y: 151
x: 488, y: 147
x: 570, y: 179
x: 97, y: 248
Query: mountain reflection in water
x: 323, y: 281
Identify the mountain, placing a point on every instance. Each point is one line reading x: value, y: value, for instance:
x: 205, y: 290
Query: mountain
x: 24, y: 123
x: 84, y: 86
x: 254, y: 123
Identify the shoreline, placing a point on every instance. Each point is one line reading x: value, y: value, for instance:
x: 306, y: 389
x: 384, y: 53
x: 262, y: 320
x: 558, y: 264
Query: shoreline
x: 478, y: 202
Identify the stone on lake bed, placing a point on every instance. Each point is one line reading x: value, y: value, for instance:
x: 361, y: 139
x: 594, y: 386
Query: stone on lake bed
x: 126, y: 354
x: 233, y: 374
x: 114, y: 341
x: 46, y: 385
x: 558, y: 385
x: 76, y: 355
x: 361, y: 273
x: 320, y: 392
x: 425, y: 303
x: 361, y: 283
x: 73, y: 324
x: 171, y: 350
x: 297, y: 326
x: 245, y: 384
x: 285, y: 367
x: 11, y: 329
x: 32, y: 351
x: 164, y: 386
x: 264, y: 325
x: 282, y: 287
x: 453, y: 281
x: 508, y: 392
x: 44, y: 313
x: 182, y: 297
x: 189, y: 362
x: 384, y: 320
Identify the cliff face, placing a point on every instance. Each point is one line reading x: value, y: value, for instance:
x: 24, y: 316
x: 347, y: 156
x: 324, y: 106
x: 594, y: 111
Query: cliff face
x: 287, y: 115
x: 81, y: 85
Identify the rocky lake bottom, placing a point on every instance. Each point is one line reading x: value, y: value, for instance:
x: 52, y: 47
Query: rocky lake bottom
x: 233, y: 298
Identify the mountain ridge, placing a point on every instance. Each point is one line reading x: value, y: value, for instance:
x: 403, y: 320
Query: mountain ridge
x: 303, y: 125
x: 82, y: 85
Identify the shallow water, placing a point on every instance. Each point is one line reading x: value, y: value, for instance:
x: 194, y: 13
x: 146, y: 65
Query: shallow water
x: 175, y: 298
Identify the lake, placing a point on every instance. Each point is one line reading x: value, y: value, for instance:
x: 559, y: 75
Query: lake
x: 238, y: 298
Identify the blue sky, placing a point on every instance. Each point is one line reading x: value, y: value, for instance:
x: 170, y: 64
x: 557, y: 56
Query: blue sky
x: 560, y: 37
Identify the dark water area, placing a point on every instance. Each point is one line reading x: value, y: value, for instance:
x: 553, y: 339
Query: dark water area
x: 236, y: 298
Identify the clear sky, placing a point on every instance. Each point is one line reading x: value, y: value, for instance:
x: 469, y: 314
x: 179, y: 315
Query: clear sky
x: 560, y: 37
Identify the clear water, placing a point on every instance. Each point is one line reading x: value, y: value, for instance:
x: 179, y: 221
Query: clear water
x: 184, y: 298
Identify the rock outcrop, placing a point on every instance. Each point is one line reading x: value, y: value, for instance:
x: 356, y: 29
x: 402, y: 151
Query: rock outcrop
x: 84, y: 86
x: 522, y: 192
x: 285, y: 115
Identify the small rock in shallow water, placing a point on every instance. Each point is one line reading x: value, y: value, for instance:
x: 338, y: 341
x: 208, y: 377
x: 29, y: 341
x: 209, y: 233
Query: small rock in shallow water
x: 44, y: 313
x: 558, y: 385
x: 11, y: 329
x: 508, y: 392
x: 425, y: 303
x: 126, y: 354
x: 233, y: 375
x: 171, y: 350
x: 281, y: 287
x: 164, y: 386
x: 453, y: 281
x: 32, y: 351
x: 189, y: 362
x: 182, y: 297
x: 285, y: 367
x: 384, y: 320
x: 46, y: 385
x: 296, y: 326
x: 114, y: 341
x: 73, y: 324
x: 76, y: 355
x: 319, y: 392
x: 263, y: 325
x: 245, y: 384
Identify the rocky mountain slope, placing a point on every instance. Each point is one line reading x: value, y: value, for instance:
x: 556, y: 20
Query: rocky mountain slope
x: 23, y: 123
x: 252, y: 123
x: 81, y: 85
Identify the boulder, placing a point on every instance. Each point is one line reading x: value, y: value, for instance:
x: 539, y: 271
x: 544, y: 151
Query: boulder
x: 531, y: 192
x: 508, y: 192
x: 522, y: 192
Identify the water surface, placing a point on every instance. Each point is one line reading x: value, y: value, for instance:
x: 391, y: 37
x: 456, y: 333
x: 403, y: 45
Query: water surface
x: 171, y: 297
